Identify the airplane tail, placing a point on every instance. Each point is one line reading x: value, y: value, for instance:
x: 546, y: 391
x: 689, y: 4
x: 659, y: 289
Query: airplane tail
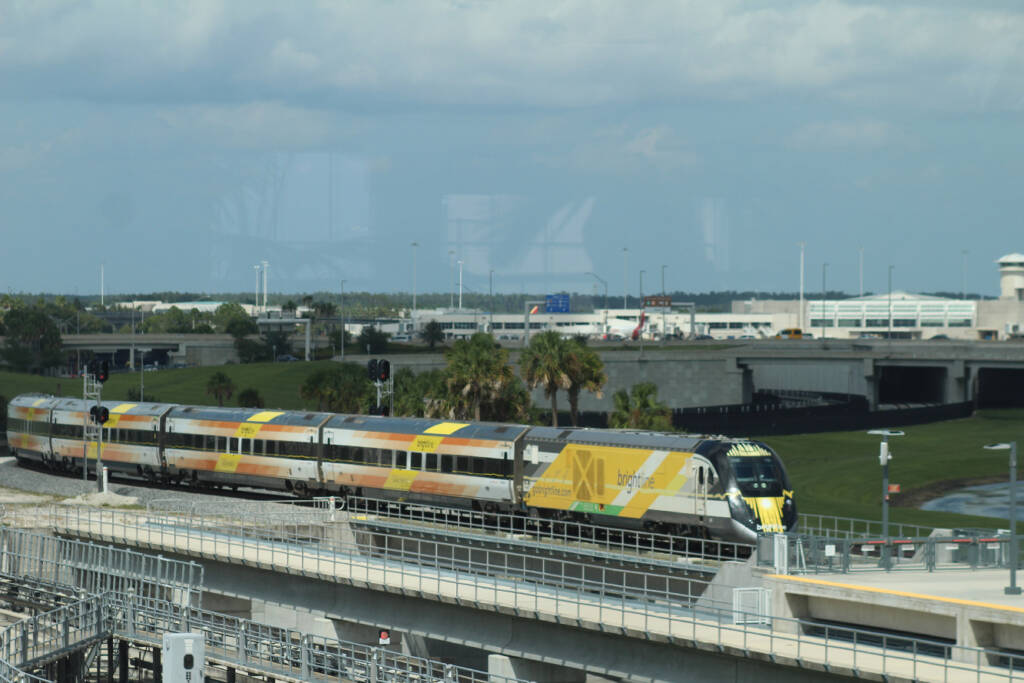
x: 639, y: 328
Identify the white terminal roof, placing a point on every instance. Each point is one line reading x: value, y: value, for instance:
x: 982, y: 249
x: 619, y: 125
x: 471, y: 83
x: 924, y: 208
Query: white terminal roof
x: 1014, y: 258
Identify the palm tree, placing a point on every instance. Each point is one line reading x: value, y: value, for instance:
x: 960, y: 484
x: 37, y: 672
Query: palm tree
x: 220, y: 386
x: 342, y: 388
x: 640, y: 409
x: 586, y: 372
x: 544, y: 362
x: 478, y: 371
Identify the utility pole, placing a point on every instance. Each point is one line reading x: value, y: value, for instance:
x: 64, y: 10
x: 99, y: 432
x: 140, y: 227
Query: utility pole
x: 801, y: 244
x: 625, y: 275
x: 490, y: 294
x: 460, y: 284
x: 343, y: 325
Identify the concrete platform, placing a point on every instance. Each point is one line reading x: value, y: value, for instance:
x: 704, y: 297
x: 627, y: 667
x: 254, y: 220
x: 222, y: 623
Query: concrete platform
x: 967, y: 608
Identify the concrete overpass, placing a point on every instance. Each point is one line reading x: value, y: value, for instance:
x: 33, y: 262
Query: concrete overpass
x: 561, y: 631
x: 696, y: 374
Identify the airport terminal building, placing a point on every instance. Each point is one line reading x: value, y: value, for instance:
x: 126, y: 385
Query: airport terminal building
x: 894, y: 315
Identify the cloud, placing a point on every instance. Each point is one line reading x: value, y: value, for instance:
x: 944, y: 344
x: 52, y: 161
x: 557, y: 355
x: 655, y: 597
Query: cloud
x: 570, y: 53
x: 260, y: 125
x: 843, y: 134
x: 625, y: 149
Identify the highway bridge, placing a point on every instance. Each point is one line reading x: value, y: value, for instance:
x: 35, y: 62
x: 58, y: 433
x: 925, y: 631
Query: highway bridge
x: 882, y: 372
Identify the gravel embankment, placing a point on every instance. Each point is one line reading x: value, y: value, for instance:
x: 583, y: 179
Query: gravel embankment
x: 15, y: 480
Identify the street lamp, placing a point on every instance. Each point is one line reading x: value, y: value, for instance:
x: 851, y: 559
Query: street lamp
x: 890, y: 301
x: 1013, y: 588
x: 625, y: 273
x: 256, y: 308
x: 451, y: 262
x: 604, y: 328
x: 342, y: 314
x: 824, y: 268
x: 490, y: 295
x: 883, y: 459
x: 460, y: 284
x: 801, y: 245
x: 414, y: 246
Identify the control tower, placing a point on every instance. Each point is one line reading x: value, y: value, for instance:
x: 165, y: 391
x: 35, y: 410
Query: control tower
x: 1011, y: 277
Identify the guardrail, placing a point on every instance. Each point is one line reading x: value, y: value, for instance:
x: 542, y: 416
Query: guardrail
x: 565, y: 532
x: 850, y: 527
x: 487, y: 581
x: 807, y: 554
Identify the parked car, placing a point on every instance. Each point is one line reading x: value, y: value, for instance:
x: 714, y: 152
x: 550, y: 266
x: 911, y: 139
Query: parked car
x: 286, y: 358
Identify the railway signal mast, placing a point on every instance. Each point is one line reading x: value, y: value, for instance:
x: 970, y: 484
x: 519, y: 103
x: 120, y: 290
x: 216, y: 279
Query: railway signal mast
x: 379, y: 372
x: 92, y: 424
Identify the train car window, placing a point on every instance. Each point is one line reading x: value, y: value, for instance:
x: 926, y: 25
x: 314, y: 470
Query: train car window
x: 416, y: 461
x: 400, y: 459
x: 700, y: 475
x: 232, y: 444
x: 246, y: 446
x: 462, y: 464
x: 355, y: 454
x: 479, y: 465
x: 431, y: 465
x: 447, y: 463
x: 221, y: 444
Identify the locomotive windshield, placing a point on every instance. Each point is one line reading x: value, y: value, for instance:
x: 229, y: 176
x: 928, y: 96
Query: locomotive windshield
x: 757, y: 476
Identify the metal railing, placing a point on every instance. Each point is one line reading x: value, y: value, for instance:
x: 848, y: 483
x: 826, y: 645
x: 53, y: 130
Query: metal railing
x: 232, y: 641
x: 488, y: 580
x: 807, y: 554
x: 33, y: 557
x: 850, y: 527
x: 565, y: 532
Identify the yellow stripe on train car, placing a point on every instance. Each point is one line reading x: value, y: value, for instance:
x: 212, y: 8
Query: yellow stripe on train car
x: 247, y: 430
x: 400, y: 480
x: 425, y: 444
x: 227, y: 462
x: 446, y: 428
x: 265, y: 416
x: 123, y: 408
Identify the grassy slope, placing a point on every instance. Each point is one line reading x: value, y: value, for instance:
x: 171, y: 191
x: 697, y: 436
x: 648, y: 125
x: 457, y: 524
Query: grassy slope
x: 833, y: 474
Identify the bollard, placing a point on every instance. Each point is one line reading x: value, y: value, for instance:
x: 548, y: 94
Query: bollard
x: 103, y: 486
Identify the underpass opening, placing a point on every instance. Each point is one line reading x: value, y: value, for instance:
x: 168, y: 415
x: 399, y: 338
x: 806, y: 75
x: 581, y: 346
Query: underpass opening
x: 1000, y: 387
x: 902, y: 384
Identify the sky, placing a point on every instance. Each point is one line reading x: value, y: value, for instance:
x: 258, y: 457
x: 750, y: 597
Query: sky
x: 565, y: 145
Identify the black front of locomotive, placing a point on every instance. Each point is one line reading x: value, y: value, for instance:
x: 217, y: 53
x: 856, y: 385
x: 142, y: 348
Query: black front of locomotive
x: 757, y: 487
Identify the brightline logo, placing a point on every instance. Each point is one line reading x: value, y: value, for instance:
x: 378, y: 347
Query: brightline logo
x: 633, y: 481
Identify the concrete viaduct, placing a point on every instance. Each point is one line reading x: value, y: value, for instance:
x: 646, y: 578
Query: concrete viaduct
x: 714, y: 373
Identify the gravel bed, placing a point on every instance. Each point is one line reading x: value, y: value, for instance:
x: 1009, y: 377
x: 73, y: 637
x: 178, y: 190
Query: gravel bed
x: 24, y: 479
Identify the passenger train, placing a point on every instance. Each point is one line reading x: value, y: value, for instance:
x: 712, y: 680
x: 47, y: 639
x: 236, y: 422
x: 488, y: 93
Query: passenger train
x: 730, y: 489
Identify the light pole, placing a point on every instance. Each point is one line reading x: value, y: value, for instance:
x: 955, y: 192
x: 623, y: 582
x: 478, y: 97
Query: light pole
x: 451, y: 262
x: 824, y: 268
x: 1013, y: 588
x: 883, y: 459
x: 801, y: 245
x: 625, y: 272
x: 641, y: 321
x: 490, y: 295
x: 256, y: 308
x: 604, y: 328
x: 414, y: 246
x: 890, y: 301
x: 460, y: 284
x: 963, y: 273
x: 342, y: 314
x: 861, y: 271
x: 266, y: 268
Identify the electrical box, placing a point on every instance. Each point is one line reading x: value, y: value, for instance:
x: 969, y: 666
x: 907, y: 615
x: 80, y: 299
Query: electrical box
x: 183, y: 658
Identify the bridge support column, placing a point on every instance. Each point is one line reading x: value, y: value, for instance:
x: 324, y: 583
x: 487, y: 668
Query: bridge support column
x: 514, y: 667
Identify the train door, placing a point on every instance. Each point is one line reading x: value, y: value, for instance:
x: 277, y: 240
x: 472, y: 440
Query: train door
x: 700, y: 493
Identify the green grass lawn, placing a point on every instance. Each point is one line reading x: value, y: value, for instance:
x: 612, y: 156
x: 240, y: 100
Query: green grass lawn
x: 838, y: 473
x: 833, y: 473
